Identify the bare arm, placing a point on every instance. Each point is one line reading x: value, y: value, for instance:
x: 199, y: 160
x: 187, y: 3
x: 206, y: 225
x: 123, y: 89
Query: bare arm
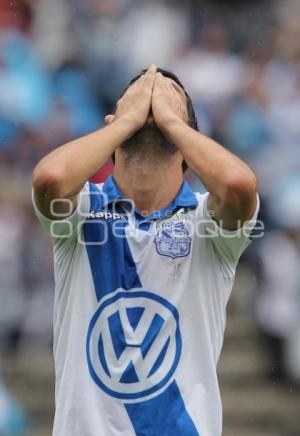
x: 62, y: 173
x: 230, y: 182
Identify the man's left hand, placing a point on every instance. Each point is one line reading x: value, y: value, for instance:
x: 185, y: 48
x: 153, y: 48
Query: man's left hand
x: 168, y: 103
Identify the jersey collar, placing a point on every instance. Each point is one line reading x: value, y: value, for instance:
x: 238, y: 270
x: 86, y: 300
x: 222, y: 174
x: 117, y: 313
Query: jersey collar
x: 185, y: 198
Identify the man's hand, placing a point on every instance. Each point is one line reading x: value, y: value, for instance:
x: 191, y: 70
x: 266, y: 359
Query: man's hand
x: 134, y: 106
x: 168, y: 102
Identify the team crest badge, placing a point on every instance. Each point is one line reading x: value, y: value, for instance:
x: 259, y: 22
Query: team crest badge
x: 173, y: 239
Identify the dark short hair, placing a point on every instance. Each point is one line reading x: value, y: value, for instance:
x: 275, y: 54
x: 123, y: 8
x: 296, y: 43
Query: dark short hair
x: 192, y: 119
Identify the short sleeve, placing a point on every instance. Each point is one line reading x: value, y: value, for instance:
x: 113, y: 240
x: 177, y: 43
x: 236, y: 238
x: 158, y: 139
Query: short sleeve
x: 65, y: 232
x: 65, y: 228
x: 228, y: 244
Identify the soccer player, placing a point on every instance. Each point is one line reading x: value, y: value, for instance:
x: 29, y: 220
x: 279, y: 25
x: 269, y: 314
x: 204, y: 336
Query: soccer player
x: 143, y: 266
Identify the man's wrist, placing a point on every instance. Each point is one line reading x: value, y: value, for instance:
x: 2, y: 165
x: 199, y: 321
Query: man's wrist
x: 172, y: 126
x: 126, y: 126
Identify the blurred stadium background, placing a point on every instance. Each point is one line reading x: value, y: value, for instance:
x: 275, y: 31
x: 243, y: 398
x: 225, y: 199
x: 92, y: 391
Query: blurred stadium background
x: 63, y: 63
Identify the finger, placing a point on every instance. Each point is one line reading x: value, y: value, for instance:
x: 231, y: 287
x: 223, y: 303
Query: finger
x: 169, y: 86
x: 163, y: 80
x: 151, y: 70
x: 167, y: 82
x: 156, y: 86
x: 174, y: 89
x: 161, y: 85
x: 164, y: 85
x: 139, y: 80
x: 159, y: 80
x: 178, y: 88
x: 138, y: 83
x: 109, y: 119
x: 149, y: 76
x: 134, y: 84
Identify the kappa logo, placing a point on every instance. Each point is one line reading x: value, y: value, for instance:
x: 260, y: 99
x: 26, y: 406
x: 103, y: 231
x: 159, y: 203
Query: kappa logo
x: 133, y: 344
x: 104, y: 214
x: 173, y: 239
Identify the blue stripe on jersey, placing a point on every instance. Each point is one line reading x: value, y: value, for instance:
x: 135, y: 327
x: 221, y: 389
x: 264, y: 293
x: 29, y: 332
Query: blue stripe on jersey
x: 111, y: 263
x: 113, y: 267
x: 162, y: 415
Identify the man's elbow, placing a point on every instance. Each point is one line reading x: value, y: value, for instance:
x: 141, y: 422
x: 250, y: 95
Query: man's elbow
x: 48, y: 181
x: 240, y: 191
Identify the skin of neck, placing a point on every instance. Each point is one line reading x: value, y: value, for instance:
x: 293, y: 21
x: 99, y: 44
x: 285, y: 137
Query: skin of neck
x: 151, y: 186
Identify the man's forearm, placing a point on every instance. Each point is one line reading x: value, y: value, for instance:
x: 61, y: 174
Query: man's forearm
x: 229, y: 180
x: 215, y: 166
x: 67, y: 168
x: 62, y: 173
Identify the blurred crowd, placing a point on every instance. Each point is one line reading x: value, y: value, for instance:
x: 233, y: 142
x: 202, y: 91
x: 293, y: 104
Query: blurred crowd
x: 64, y: 63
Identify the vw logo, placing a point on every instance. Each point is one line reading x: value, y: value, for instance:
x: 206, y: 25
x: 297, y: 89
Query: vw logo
x: 133, y: 344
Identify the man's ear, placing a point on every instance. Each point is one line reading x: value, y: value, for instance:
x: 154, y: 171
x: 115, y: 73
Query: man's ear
x: 109, y: 119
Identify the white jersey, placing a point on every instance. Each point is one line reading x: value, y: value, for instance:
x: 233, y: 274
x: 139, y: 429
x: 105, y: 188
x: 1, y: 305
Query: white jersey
x: 139, y: 315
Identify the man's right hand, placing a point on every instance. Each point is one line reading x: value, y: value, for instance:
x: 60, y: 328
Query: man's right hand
x: 134, y: 106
